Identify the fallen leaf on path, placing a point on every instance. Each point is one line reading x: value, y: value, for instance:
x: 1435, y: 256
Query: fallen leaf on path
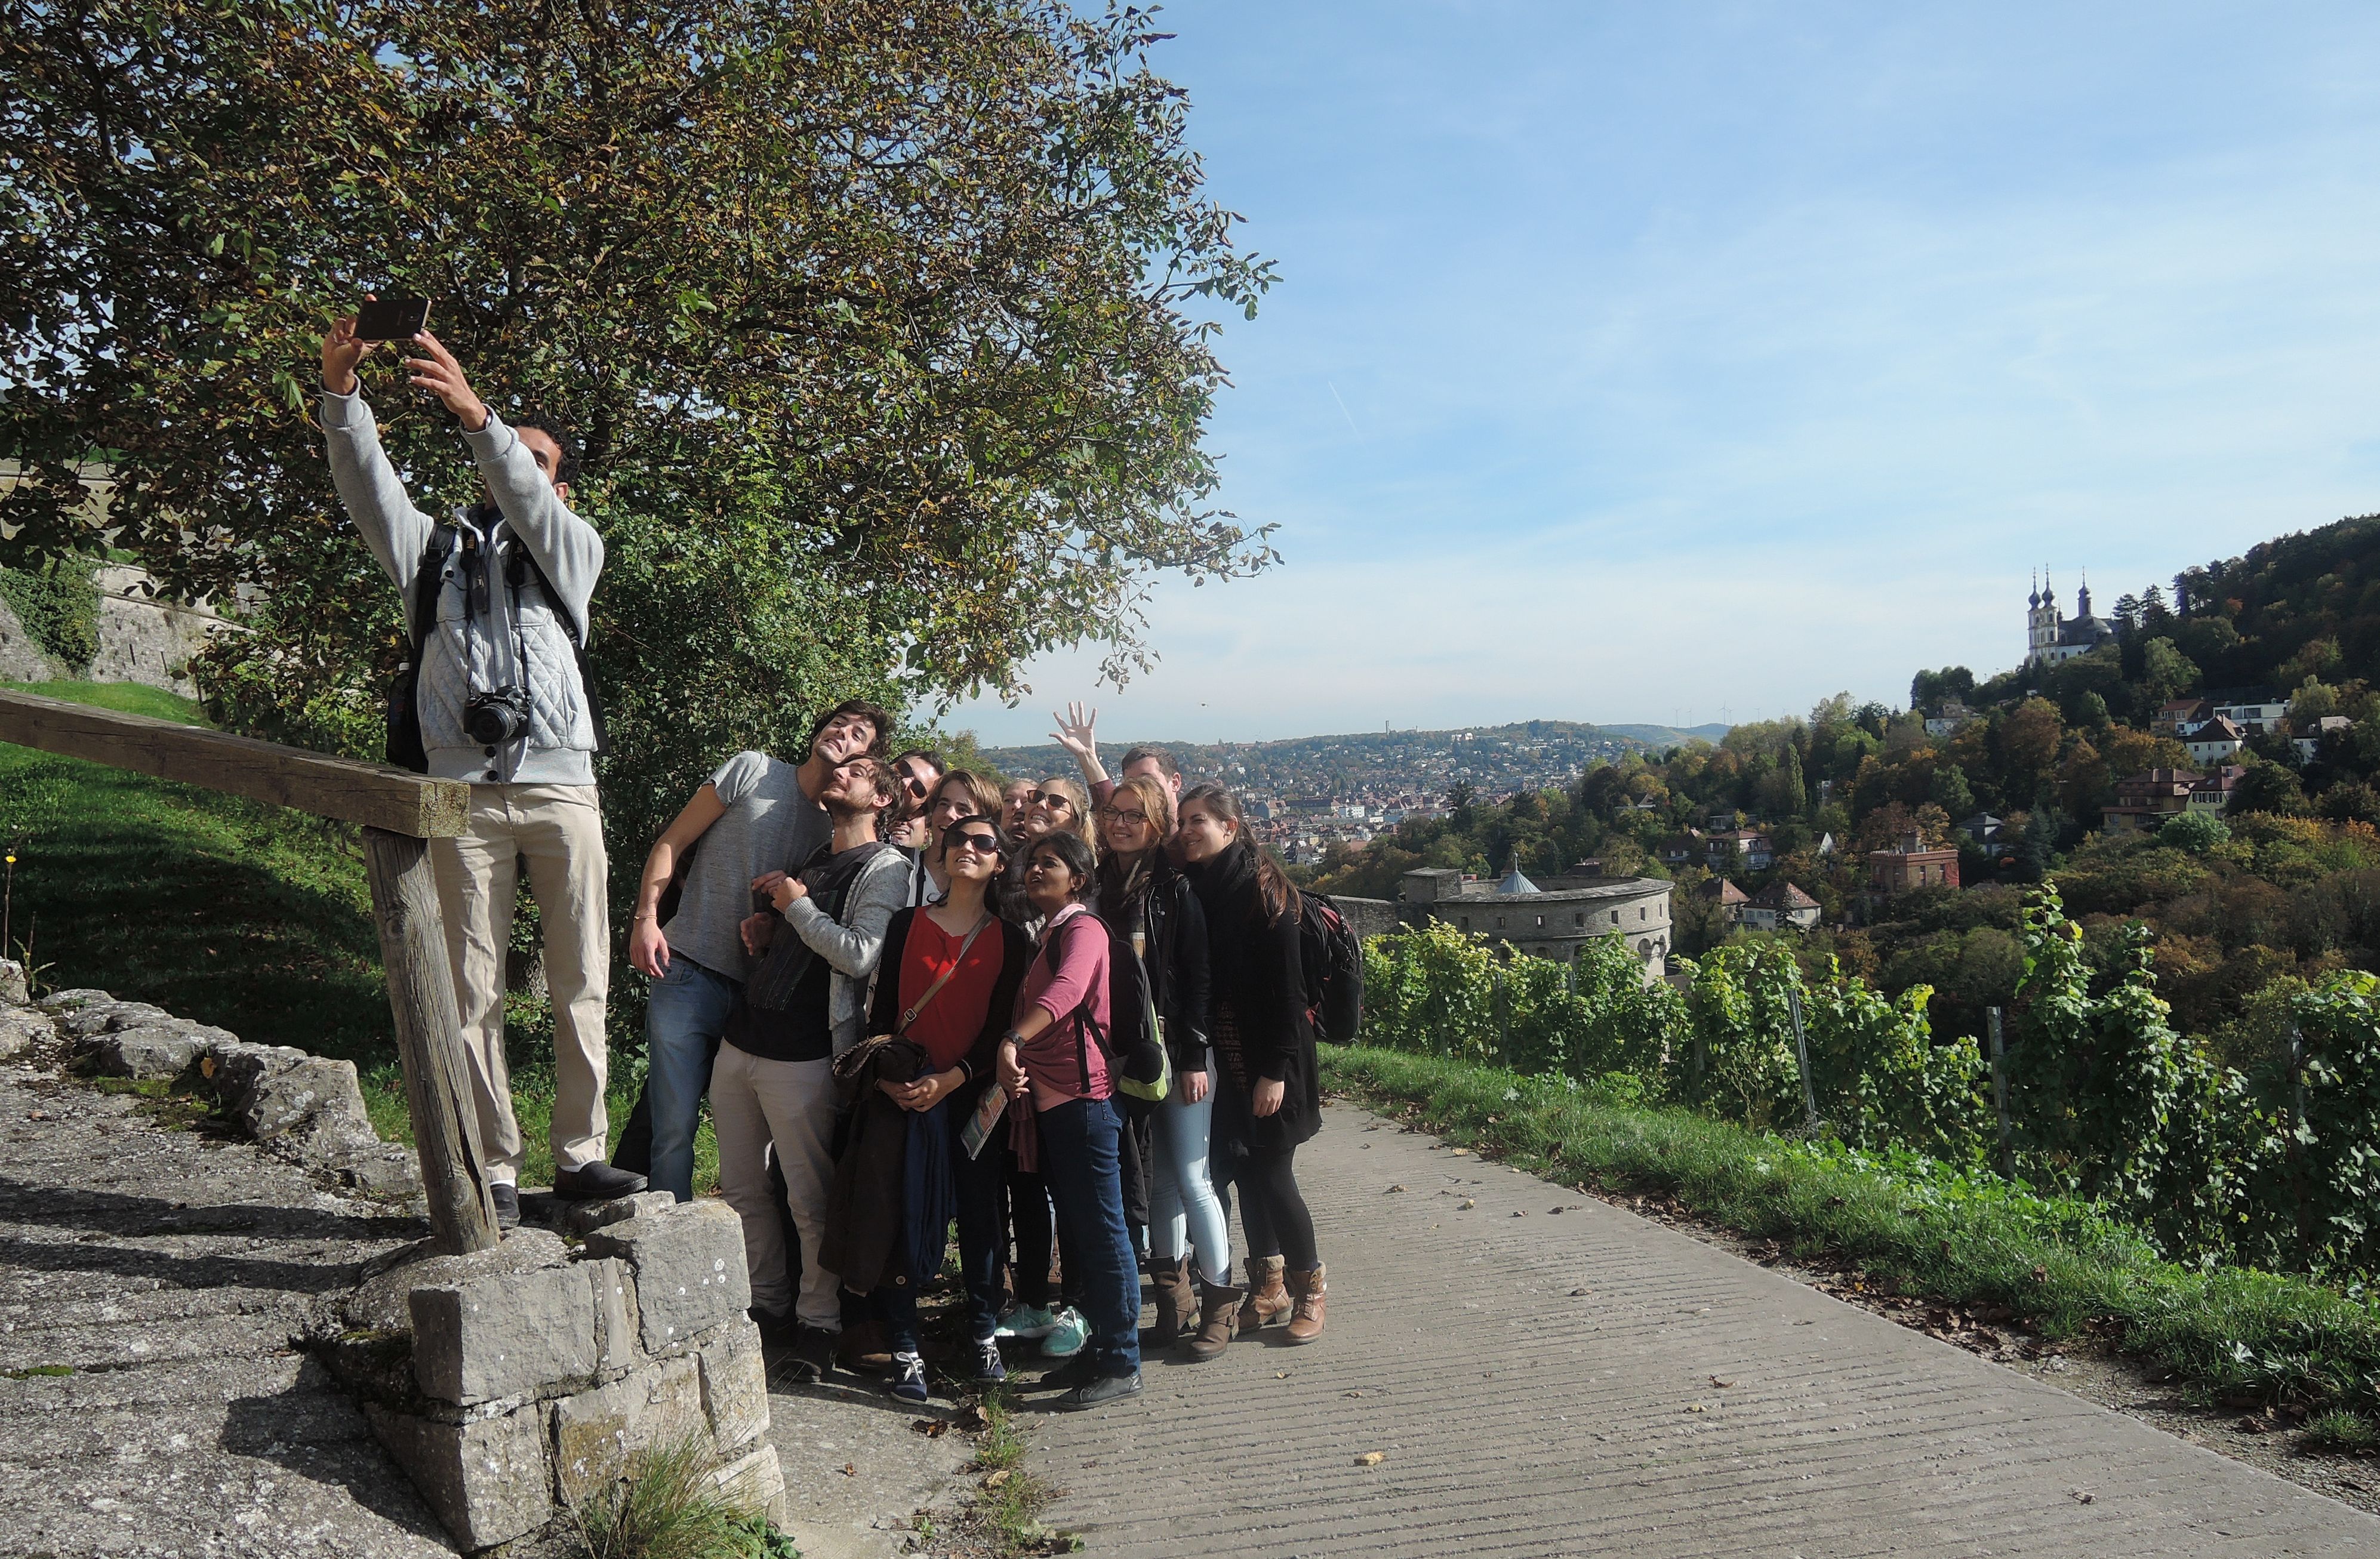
x: 850, y: 1470
x: 1468, y: 1202
x: 1392, y: 1190
x: 1518, y: 1212
x: 2083, y: 1496
x: 1553, y: 1209
x: 1721, y: 1383
x: 1359, y: 1393
x: 994, y: 1480
x: 1697, y: 1407
x: 1280, y: 1374
x: 1460, y: 1152
x: 930, y: 1427
x: 1371, y: 1458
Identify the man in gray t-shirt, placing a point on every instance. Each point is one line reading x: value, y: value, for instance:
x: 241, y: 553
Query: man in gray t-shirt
x: 754, y: 815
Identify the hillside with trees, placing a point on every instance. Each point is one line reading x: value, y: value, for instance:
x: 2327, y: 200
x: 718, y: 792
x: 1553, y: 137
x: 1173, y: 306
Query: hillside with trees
x: 2247, y: 904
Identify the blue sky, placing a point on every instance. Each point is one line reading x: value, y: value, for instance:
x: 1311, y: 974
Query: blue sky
x: 1681, y: 362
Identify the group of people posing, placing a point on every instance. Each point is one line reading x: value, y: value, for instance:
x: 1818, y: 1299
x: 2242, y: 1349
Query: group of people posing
x: 901, y: 987
x: 904, y: 991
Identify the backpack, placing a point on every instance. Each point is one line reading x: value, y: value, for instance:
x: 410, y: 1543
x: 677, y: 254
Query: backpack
x: 1133, y: 1048
x: 405, y: 747
x: 1332, y: 962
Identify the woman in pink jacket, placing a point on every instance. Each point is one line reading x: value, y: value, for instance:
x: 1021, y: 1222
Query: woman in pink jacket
x: 1054, y: 1067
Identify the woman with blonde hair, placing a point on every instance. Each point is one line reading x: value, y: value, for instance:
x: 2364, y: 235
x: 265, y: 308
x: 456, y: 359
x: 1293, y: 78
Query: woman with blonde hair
x: 1151, y: 906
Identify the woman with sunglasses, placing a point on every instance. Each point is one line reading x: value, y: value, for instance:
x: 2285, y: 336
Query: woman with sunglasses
x: 1054, y: 1068
x: 972, y: 961
x: 961, y: 793
x: 1055, y: 806
x: 1150, y: 904
x: 1267, y: 1092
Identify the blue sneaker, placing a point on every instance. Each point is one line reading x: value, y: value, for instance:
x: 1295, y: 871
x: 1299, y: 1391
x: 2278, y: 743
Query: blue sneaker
x: 1067, y: 1335
x: 1025, y: 1320
x: 909, y: 1378
x: 991, y: 1368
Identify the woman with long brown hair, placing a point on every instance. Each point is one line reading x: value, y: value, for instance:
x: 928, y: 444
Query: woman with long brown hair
x: 1268, y: 1097
x: 1150, y: 904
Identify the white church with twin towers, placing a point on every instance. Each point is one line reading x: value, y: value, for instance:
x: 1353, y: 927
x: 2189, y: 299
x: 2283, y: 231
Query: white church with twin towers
x: 2050, y: 639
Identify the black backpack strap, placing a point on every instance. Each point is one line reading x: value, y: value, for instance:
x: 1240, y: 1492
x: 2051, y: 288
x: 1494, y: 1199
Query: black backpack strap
x: 429, y: 579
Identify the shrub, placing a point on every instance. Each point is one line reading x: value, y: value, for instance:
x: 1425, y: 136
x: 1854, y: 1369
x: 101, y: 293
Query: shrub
x: 59, y: 604
x: 2196, y: 832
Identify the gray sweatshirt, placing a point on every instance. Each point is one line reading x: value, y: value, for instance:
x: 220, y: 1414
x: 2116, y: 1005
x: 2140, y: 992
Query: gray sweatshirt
x: 510, y: 640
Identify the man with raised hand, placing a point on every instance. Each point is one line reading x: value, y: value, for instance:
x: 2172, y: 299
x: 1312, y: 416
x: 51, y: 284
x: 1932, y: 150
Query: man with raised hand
x: 495, y: 604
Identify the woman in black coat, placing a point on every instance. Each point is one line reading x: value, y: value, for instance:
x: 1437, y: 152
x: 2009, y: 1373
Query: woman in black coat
x: 1151, y: 904
x: 1268, y: 1097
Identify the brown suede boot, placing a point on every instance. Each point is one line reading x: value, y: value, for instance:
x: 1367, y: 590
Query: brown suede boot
x: 1309, y: 1291
x: 1177, y: 1302
x: 1219, y: 1314
x: 1266, y: 1301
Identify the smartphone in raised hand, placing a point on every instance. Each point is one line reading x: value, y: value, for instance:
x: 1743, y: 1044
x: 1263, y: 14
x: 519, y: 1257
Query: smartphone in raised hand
x: 391, y: 319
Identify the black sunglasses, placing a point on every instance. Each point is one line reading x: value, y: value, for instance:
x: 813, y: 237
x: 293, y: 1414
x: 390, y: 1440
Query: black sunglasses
x: 958, y: 833
x: 1047, y: 798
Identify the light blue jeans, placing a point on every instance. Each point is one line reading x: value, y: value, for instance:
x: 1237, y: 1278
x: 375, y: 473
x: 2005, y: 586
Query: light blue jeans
x: 1182, y: 1202
x: 682, y: 1021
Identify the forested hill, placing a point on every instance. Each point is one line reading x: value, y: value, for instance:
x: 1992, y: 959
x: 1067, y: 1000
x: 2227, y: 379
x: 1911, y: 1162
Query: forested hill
x: 2295, y: 606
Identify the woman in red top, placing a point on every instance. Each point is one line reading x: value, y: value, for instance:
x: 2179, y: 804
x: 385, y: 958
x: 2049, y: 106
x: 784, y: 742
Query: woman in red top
x: 1053, y: 1066
x: 959, y: 1028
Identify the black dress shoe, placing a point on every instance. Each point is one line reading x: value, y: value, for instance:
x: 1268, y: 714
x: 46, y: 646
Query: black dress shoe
x: 507, y: 1201
x: 595, y: 1182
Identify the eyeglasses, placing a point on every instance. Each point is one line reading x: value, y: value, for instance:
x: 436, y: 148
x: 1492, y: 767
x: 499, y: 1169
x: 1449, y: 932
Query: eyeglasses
x: 1118, y: 815
x: 972, y: 839
x: 1047, y: 798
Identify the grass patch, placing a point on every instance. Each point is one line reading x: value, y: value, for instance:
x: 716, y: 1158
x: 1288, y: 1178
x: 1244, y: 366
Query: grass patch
x: 37, y: 1371
x: 1008, y: 1500
x: 666, y: 1507
x: 2233, y: 1334
x: 131, y: 698
x: 155, y: 1098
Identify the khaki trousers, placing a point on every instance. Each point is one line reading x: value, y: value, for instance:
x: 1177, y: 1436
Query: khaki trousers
x: 755, y: 1104
x: 558, y: 830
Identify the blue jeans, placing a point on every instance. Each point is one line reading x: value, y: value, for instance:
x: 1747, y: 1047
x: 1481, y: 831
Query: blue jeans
x: 978, y: 1190
x: 1182, y: 1203
x: 1078, y: 1161
x: 682, y: 1021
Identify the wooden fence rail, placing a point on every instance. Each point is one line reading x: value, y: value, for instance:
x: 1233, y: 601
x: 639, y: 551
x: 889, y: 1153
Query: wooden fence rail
x: 400, y: 813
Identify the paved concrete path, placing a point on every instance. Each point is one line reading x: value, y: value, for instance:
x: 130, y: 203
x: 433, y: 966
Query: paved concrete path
x: 151, y: 1400
x: 1515, y: 1419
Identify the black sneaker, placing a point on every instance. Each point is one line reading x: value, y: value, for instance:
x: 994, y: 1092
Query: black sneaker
x: 991, y: 1368
x: 507, y: 1201
x: 595, y: 1182
x: 909, y: 1378
x: 777, y: 1329
x: 1107, y: 1388
x: 1076, y: 1372
x: 813, y: 1354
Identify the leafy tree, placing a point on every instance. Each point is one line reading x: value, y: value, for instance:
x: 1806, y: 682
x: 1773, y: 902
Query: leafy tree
x: 2196, y: 832
x: 2168, y: 673
x: 2268, y: 786
x: 888, y: 327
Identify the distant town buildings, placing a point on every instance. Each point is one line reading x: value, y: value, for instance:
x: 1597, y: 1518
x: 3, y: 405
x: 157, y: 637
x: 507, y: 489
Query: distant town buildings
x: 1553, y: 920
x: 1780, y: 906
x: 1911, y: 866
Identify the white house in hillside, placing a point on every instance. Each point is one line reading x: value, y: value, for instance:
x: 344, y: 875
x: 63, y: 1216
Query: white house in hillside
x: 2218, y: 741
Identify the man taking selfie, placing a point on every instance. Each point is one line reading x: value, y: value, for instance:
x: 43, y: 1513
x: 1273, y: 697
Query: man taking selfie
x: 495, y: 604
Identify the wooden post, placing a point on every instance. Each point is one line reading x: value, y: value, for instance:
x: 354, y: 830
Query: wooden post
x: 2296, y: 1139
x: 430, y: 1042
x: 1999, y: 1093
x: 1802, y: 1056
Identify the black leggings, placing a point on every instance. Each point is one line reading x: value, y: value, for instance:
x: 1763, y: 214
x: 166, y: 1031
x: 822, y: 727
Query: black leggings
x: 1272, y: 1210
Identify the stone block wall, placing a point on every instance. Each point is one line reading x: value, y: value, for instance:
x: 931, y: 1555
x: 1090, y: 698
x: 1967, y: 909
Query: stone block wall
x: 510, y: 1385
x: 530, y: 1378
